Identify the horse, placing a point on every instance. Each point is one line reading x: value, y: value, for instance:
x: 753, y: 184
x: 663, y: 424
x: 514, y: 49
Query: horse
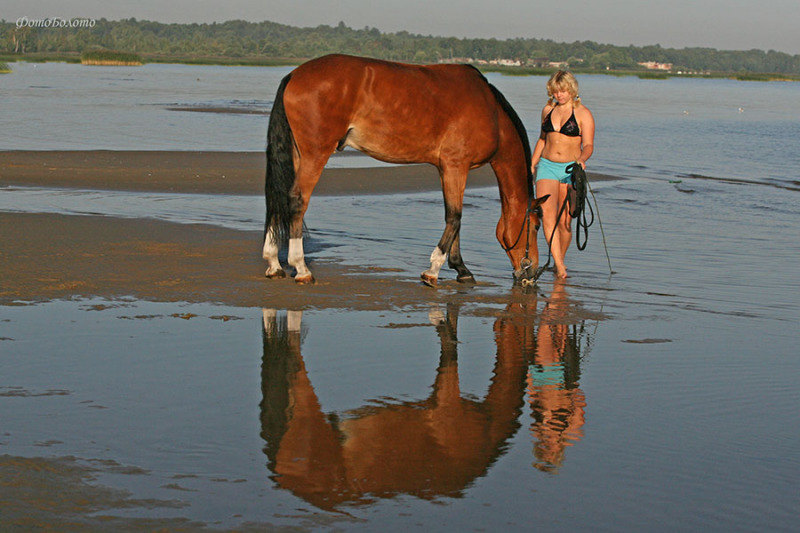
x: 446, y: 115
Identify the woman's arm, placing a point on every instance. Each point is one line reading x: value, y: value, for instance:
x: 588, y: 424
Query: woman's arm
x: 537, y: 152
x: 586, y: 123
x: 539, y: 148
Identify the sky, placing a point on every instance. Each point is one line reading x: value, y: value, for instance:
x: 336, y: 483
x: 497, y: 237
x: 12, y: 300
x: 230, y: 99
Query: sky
x: 721, y: 24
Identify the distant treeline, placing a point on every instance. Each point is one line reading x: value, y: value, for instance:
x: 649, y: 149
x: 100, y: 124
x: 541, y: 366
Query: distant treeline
x: 262, y: 42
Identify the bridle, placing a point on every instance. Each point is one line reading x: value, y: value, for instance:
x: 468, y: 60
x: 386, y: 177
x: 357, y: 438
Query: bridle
x: 526, y: 262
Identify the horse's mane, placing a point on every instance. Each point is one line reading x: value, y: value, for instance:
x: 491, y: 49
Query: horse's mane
x: 518, y: 125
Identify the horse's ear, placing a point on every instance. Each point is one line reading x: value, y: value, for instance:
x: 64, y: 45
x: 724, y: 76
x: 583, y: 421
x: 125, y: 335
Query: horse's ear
x: 539, y: 201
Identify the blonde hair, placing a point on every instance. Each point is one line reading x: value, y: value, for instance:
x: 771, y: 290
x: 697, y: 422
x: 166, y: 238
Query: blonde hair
x: 562, y: 80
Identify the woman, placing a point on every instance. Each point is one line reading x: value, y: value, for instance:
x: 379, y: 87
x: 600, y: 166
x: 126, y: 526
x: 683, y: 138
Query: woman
x: 567, y: 137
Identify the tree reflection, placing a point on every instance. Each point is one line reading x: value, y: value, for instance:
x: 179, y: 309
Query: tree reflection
x: 427, y: 448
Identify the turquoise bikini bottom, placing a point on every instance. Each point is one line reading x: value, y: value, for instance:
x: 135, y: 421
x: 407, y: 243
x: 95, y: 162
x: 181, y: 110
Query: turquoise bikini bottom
x: 550, y: 170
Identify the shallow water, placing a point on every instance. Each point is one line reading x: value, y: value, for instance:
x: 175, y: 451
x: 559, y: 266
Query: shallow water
x: 440, y: 416
x: 664, y: 129
x: 666, y: 390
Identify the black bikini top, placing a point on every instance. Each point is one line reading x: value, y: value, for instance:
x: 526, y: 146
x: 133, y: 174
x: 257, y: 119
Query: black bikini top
x: 570, y: 128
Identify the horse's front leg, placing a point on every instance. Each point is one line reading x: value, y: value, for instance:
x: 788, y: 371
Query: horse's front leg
x: 453, y: 183
x: 431, y: 276
x: 456, y: 262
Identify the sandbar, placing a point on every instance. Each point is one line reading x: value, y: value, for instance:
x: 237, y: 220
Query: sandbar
x: 207, y: 172
x: 53, y: 256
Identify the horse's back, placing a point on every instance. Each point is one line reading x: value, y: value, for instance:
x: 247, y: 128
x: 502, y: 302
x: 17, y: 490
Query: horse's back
x: 364, y: 81
x: 393, y: 111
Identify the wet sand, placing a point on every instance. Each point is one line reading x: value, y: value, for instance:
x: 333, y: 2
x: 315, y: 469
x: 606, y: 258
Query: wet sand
x: 49, y: 256
x: 65, y: 494
x: 201, y: 172
x: 206, y: 172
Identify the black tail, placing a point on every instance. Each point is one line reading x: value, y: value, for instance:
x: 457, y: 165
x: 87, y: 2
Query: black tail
x: 523, y: 135
x: 282, y: 205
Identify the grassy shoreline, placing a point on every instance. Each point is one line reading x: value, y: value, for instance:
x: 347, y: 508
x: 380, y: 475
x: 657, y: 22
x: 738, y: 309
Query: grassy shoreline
x: 293, y: 61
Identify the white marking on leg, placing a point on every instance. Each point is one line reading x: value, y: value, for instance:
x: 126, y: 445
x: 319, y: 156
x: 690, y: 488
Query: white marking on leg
x: 436, y: 316
x: 297, y: 258
x: 270, y: 253
x: 437, y: 260
x: 269, y: 320
x: 293, y: 320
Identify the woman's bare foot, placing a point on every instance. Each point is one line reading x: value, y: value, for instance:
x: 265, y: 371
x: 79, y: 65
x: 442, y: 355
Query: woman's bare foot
x: 561, y: 272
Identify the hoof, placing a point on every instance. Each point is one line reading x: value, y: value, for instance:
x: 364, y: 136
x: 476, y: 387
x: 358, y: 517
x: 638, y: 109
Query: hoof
x: 305, y: 280
x: 429, y: 280
x: 469, y: 279
x: 277, y: 274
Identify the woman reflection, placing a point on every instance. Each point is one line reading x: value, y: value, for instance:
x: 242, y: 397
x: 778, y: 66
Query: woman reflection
x: 556, y: 400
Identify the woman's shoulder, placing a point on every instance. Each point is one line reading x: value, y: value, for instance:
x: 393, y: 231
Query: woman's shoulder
x: 546, y: 110
x: 583, y: 112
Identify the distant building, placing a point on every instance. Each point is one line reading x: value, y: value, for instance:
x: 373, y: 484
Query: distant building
x: 655, y: 65
x: 538, y: 62
x: 506, y: 62
x: 460, y: 60
x: 468, y: 60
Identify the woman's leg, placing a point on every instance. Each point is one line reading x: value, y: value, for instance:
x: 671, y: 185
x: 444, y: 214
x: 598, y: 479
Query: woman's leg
x: 550, y: 208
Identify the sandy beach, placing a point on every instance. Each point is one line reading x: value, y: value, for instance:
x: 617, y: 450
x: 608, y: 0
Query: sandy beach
x: 201, y: 172
x: 207, y: 172
x: 47, y: 256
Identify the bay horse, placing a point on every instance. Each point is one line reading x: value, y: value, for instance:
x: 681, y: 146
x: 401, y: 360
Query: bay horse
x: 445, y: 115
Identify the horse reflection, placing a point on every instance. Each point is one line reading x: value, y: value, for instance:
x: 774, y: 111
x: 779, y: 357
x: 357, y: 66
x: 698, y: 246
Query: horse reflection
x: 428, y: 448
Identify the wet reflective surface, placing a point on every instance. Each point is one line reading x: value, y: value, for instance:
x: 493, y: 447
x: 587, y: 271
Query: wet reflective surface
x: 457, y: 416
x: 430, y: 447
x: 667, y: 389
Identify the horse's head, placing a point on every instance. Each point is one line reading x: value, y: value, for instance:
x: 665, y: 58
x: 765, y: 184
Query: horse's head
x: 516, y: 232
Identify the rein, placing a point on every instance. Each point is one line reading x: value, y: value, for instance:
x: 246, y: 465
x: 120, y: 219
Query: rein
x: 526, y: 224
x: 578, y: 211
x: 576, y: 198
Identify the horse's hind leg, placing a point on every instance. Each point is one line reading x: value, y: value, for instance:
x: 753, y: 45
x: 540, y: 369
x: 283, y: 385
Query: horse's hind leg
x: 453, y: 182
x: 270, y: 254
x: 308, y: 172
